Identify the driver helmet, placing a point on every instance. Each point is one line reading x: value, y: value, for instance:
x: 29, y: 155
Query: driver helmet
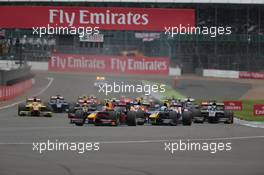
x: 109, y: 106
x: 163, y: 108
x: 35, y: 99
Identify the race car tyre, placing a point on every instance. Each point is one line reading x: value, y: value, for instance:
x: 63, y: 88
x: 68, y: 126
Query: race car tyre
x: 140, y: 123
x: 71, y: 108
x: 79, y: 124
x: 140, y: 115
x: 230, y: 115
x: 48, y: 115
x: 114, y: 116
x: 195, y: 120
x: 174, y: 116
x: 80, y: 115
x: 131, y: 118
x: 187, y: 118
x: 21, y: 107
x: 196, y: 113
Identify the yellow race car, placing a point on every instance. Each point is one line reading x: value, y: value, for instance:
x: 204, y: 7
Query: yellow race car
x: 34, y: 107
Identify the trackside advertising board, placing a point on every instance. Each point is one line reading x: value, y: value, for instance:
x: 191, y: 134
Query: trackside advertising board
x: 106, y: 18
x: 109, y: 64
x: 251, y: 75
x: 259, y: 110
x: 233, y: 105
x: 10, y: 92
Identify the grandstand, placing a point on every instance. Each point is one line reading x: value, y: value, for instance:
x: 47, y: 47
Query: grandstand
x: 242, y: 50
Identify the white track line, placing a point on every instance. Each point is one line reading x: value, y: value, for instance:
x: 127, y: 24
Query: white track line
x: 148, y: 141
x: 248, y: 123
x: 253, y: 125
x: 37, y: 94
x: 183, y: 139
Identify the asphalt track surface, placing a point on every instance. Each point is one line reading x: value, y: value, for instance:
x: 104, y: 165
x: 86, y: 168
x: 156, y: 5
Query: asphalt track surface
x: 208, y: 89
x: 123, y: 150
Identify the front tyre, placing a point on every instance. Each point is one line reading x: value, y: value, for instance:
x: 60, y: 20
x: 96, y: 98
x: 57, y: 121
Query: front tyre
x: 21, y: 107
x: 174, y: 116
x: 79, y: 115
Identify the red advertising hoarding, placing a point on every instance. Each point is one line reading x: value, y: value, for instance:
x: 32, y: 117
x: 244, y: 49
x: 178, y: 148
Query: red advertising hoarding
x: 109, y: 64
x: 106, y: 18
x: 10, y: 92
x: 251, y: 75
x: 259, y: 110
x: 233, y: 105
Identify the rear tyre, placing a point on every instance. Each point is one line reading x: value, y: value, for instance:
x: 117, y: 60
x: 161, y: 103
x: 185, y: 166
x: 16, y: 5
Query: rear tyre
x: 187, y: 118
x: 230, y: 115
x: 131, y: 118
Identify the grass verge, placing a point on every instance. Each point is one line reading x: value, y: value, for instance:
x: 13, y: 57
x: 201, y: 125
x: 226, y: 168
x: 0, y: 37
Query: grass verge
x: 247, y: 112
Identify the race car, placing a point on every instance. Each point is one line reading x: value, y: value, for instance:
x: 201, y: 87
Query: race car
x: 125, y: 100
x: 88, y: 99
x: 142, y: 110
x: 214, y: 112
x: 171, y: 116
x: 82, y: 98
x: 58, y: 104
x: 34, y: 107
x: 83, y: 108
x: 113, y: 116
x: 190, y: 105
x: 100, y: 81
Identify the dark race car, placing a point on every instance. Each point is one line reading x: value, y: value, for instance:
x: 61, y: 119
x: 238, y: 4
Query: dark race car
x: 189, y: 104
x: 58, y: 104
x: 79, y: 111
x: 213, y: 112
x: 172, y: 115
x: 113, y: 115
